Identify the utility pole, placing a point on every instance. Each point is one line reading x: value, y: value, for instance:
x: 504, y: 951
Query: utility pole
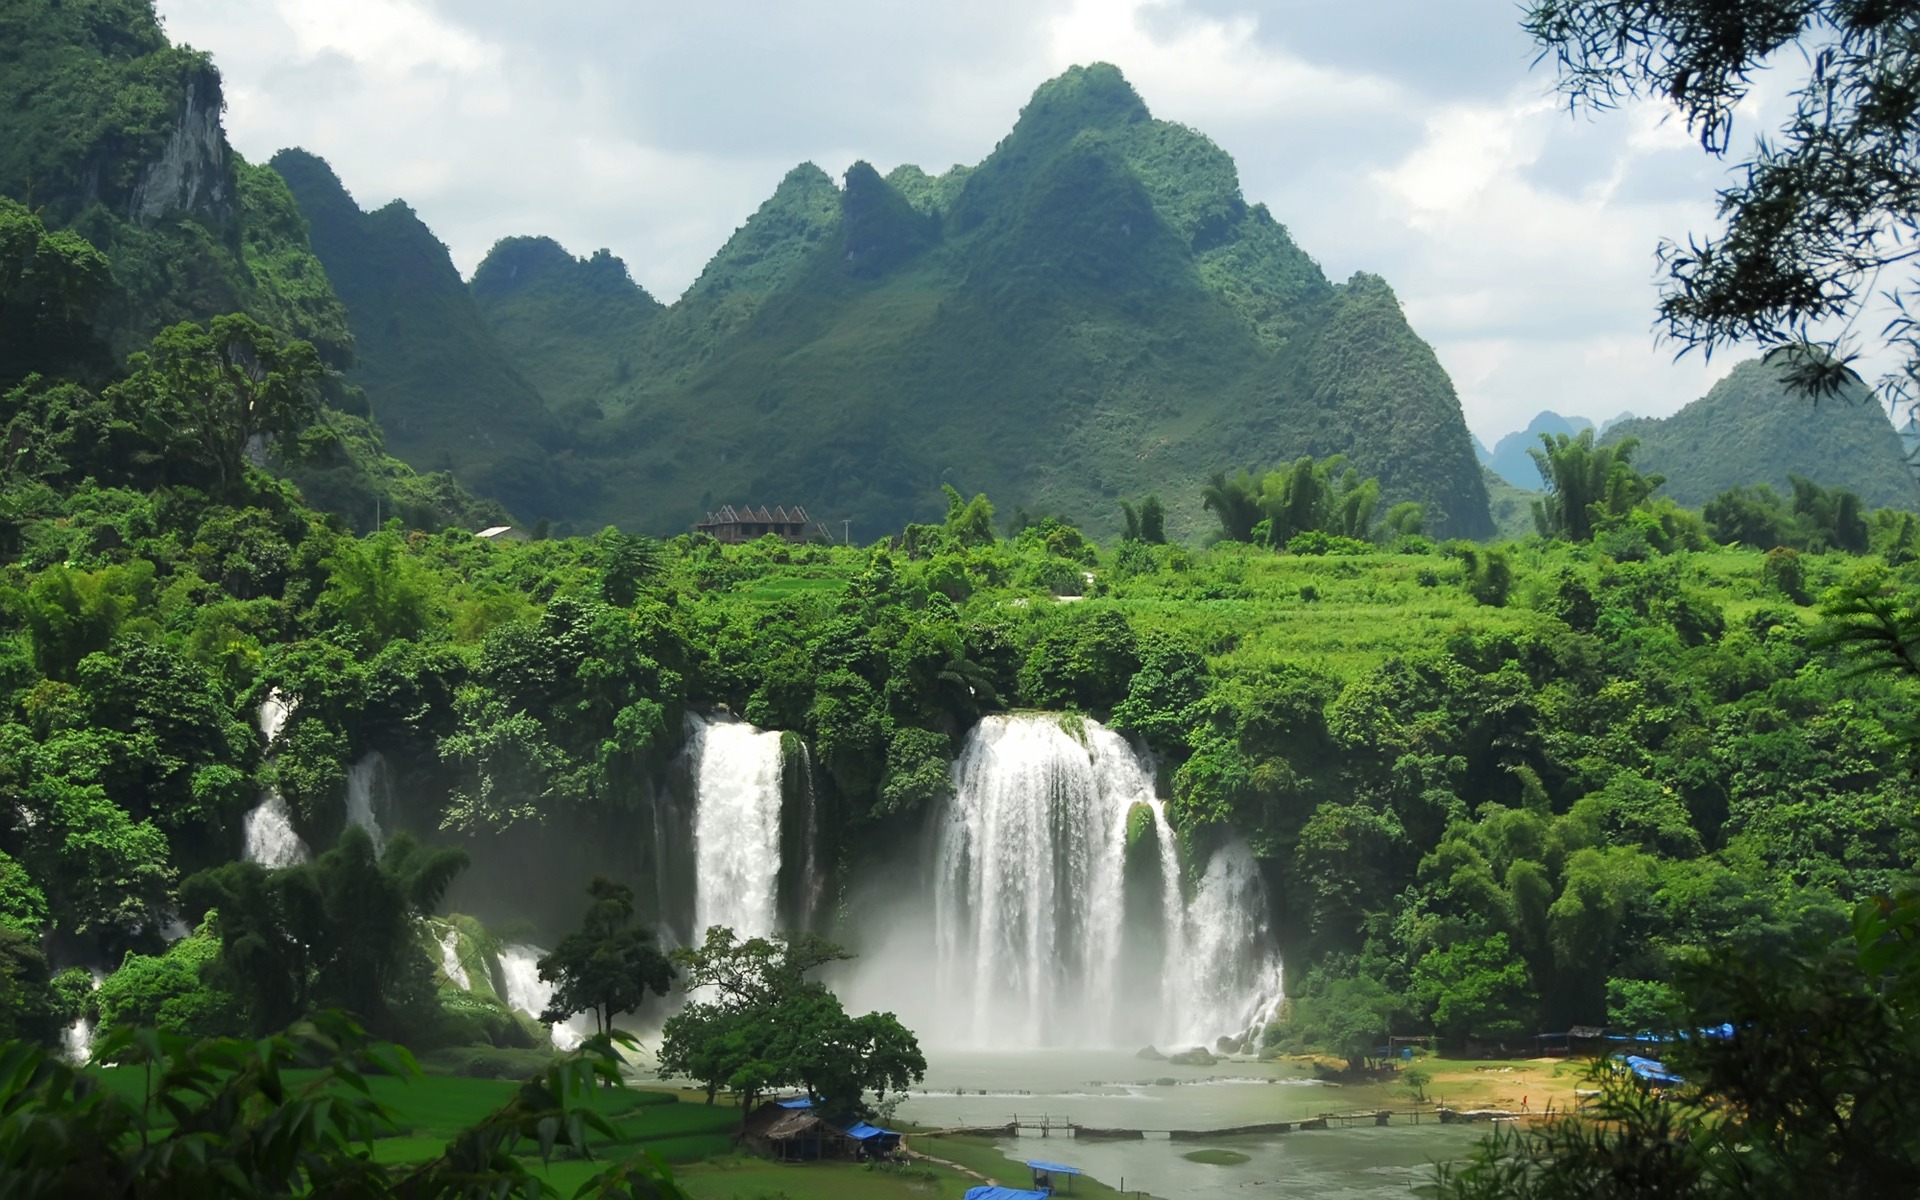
x: 846, y: 532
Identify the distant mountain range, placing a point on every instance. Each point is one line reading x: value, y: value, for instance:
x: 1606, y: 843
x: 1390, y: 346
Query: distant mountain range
x: 1509, y: 458
x: 1092, y: 313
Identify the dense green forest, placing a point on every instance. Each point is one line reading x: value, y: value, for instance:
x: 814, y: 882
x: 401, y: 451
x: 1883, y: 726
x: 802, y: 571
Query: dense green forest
x: 1491, y: 787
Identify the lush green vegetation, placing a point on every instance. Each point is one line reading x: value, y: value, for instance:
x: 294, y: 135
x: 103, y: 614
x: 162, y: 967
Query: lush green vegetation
x: 1753, y: 428
x: 298, y: 1114
x: 768, y: 1027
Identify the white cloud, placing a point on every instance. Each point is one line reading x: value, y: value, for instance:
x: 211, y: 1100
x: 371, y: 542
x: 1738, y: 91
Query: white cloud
x: 1520, y: 241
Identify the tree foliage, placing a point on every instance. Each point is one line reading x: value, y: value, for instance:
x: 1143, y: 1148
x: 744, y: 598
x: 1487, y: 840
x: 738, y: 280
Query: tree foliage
x: 771, y: 1026
x: 1819, y: 220
x: 609, y: 965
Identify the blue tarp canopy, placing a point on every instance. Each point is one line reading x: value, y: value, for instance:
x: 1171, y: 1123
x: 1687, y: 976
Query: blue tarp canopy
x: 796, y: 1102
x: 1652, y: 1070
x: 864, y: 1131
x: 1004, y: 1193
x: 1053, y: 1168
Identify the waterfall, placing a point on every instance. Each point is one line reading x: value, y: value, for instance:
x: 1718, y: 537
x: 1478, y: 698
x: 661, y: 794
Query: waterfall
x: 523, y: 989
x: 1028, y: 907
x: 76, y: 1040
x: 1031, y: 941
x: 273, y: 714
x: 1228, y: 984
x: 450, y: 960
x: 270, y: 837
x: 736, y: 826
x: 364, y: 778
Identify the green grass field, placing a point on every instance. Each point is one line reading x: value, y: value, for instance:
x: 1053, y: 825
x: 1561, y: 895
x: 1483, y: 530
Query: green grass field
x: 695, y: 1139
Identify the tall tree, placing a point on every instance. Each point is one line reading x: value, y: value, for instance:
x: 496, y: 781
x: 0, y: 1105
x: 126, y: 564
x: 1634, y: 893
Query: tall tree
x: 205, y: 395
x: 1586, y: 484
x: 609, y: 965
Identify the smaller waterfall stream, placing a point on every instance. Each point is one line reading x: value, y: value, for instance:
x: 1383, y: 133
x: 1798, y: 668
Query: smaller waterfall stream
x: 450, y: 960
x: 367, y: 790
x: 76, y: 1040
x: 270, y: 838
x: 736, y: 826
x: 523, y: 989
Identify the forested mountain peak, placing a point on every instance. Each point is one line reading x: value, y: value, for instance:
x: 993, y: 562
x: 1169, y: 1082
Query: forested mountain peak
x: 518, y: 264
x: 1753, y: 428
x: 771, y: 247
x: 1092, y: 312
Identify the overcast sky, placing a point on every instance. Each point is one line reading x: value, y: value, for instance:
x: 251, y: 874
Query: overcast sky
x: 1405, y: 137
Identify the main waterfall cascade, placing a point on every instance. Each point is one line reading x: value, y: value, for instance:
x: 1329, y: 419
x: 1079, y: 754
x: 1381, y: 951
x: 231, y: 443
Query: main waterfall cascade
x: 270, y: 838
x: 736, y: 826
x: 1034, y: 939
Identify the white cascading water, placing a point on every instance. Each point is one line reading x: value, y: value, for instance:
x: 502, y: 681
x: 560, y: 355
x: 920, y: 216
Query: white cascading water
x: 523, y: 989
x: 76, y: 1040
x: 1222, y: 980
x: 273, y: 714
x: 367, y: 790
x: 1031, y: 944
x: 1028, y: 907
x: 450, y: 960
x: 270, y: 837
x: 736, y: 826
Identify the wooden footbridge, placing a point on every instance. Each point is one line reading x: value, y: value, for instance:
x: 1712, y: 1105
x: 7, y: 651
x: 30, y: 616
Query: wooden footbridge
x: 1050, y: 1125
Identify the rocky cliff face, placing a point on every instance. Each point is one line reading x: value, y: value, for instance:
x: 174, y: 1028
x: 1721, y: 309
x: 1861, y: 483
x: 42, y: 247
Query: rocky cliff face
x: 193, y: 174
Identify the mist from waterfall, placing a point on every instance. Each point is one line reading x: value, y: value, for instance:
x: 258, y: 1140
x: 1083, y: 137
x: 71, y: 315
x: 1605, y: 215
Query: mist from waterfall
x: 736, y: 826
x: 1045, y: 928
x: 368, y: 789
x: 267, y: 830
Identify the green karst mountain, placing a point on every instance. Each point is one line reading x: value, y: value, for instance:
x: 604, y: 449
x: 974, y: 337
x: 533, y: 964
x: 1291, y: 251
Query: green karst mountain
x: 576, y: 327
x: 445, y: 393
x: 1751, y: 429
x: 1093, y: 312
x: 114, y: 163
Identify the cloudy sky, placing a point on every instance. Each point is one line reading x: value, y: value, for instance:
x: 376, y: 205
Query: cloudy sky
x: 1405, y: 137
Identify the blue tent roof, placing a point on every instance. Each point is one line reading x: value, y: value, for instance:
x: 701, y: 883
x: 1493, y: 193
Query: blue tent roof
x: 796, y: 1102
x: 1651, y: 1069
x: 863, y: 1131
x: 1004, y: 1193
x: 1055, y: 1168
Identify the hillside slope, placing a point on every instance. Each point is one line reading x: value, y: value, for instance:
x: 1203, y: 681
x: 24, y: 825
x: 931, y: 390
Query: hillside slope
x: 445, y: 393
x: 1751, y: 428
x: 1092, y: 313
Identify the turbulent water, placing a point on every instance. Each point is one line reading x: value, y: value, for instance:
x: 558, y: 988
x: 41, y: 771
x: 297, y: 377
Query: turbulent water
x: 367, y: 789
x: 1045, y: 930
x: 736, y: 826
x: 523, y: 989
x: 270, y: 837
